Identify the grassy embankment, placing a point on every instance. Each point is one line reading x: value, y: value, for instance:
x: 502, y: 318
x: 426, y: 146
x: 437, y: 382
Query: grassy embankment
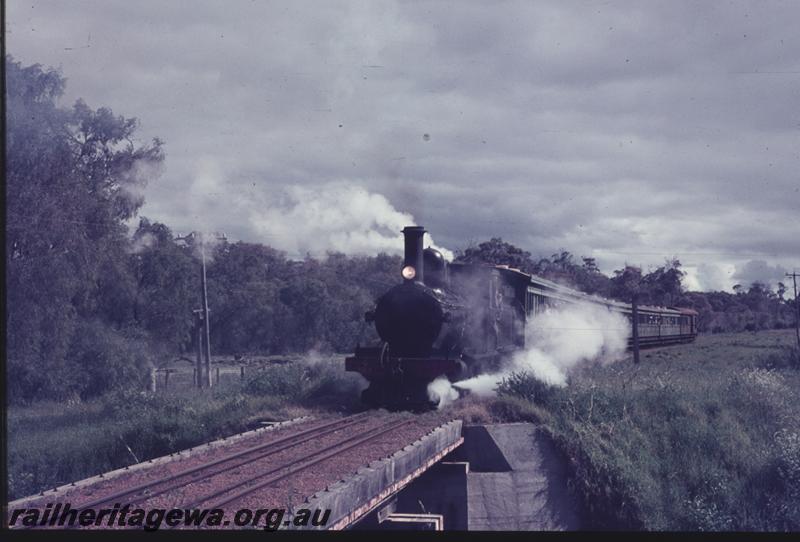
x: 51, y: 443
x: 703, y: 436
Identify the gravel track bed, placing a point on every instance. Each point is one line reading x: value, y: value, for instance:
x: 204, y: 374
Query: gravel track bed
x: 201, y: 454
x: 191, y: 494
x: 288, y: 493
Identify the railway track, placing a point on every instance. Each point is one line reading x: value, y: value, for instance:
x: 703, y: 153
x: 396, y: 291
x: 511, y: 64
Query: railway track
x: 220, y: 482
x: 231, y: 494
x: 149, y: 490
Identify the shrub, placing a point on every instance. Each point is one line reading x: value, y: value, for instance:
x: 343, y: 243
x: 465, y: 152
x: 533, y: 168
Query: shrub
x: 785, y: 358
x: 511, y: 408
x: 322, y: 382
x: 288, y: 381
x: 105, y: 359
x: 526, y: 386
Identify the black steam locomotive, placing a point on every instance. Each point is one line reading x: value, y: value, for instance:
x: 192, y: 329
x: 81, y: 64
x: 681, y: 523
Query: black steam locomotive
x: 460, y: 320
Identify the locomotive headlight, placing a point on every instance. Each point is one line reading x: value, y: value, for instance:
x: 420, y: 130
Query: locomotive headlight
x: 408, y: 272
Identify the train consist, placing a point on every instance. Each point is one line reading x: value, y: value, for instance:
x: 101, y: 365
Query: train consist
x: 460, y: 320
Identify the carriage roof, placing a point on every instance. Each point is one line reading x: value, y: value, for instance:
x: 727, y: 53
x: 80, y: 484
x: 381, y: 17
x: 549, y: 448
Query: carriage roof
x: 537, y: 284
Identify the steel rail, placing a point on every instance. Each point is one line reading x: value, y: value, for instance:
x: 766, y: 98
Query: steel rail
x: 269, y: 447
x: 323, y: 454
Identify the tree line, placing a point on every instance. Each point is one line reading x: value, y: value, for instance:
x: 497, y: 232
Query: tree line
x: 92, y: 305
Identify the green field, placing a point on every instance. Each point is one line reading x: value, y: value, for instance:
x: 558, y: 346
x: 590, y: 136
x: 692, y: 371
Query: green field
x: 704, y: 436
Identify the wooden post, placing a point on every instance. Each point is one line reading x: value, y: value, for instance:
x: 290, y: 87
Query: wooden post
x: 217, y: 376
x: 199, y: 344
x: 194, y: 376
x: 241, y: 375
x: 166, y: 379
x: 635, y: 316
x: 797, y: 308
x: 153, y: 379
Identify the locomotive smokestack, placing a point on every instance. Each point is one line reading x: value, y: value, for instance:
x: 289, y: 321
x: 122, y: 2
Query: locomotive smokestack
x: 412, y: 265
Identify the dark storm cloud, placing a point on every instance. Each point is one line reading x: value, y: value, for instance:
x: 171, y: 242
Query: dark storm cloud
x: 628, y: 131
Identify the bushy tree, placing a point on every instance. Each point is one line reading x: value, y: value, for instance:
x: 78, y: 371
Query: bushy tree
x: 72, y: 176
x: 165, y: 285
x: 498, y: 252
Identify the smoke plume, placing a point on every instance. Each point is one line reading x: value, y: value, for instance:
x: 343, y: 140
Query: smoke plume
x: 334, y: 217
x: 557, y: 341
x: 141, y: 243
x: 313, y: 219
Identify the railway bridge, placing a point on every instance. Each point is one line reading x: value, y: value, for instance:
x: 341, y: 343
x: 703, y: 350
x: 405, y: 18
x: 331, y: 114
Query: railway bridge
x: 367, y: 471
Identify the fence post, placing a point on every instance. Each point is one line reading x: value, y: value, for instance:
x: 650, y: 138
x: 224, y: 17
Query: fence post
x: 166, y: 379
x: 635, y: 317
x: 217, y: 376
x: 153, y: 379
x: 241, y: 376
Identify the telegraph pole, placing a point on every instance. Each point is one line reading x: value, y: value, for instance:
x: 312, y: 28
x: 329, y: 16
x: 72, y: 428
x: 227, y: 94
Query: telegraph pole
x: 198, y: 333
x: 203, y: 329
x: 206, y: 328
x: 797, y: 307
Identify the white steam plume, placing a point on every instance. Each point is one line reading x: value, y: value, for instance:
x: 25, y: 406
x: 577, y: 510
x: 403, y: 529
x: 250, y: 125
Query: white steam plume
x: 558, y: 341
x: 337, y: 216
x: 334, y: 217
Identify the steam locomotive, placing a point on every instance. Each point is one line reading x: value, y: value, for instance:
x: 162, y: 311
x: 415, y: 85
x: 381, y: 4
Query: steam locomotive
x: 461, y: 320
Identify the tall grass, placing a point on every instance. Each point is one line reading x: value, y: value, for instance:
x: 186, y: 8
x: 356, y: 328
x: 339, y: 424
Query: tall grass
x: 697, y: 437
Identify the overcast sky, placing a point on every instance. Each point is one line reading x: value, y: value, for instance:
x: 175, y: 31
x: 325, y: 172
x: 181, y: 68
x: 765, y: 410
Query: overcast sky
x: 627, y: 131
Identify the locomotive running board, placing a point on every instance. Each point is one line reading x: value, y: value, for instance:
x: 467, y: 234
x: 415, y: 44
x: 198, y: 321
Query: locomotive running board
x: 417, y: 368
